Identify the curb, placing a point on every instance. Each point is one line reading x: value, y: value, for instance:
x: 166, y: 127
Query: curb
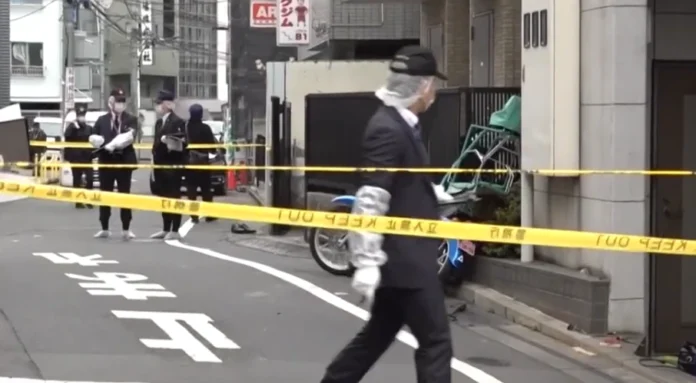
x: 254, y: 193
x: 502, y: 305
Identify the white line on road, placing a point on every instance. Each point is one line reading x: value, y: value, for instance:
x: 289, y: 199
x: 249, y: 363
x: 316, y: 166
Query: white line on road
x: 186, y: 227
x: 477, y: 375
x: 25, y: 380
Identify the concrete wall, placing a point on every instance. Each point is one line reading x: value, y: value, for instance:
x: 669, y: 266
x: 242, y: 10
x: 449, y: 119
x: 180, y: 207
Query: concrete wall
x: 452, y: 17
x: 380, y: 21
x: 614, y: 135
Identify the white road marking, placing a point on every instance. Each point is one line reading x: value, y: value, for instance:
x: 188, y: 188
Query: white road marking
x: 583, y: 351
x: 125, y: 285
x: 473, y: 373
x: 179, y: 337
x: 186, y: 227
x: 75, y: 259
x: 25, y: 380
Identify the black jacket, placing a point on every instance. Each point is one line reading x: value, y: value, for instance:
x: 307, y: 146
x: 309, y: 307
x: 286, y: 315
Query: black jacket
x: 199, y: 133
x: 160, y: 154
x: 78, y: 132
x: 389, y: 142
x: 104, y: 128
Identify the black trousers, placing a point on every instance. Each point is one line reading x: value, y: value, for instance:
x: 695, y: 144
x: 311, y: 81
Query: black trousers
x: 198, y: 179
x: 423, y: 311
x: 77, y: 177
x: 121, y: 179
x: 169, y: 183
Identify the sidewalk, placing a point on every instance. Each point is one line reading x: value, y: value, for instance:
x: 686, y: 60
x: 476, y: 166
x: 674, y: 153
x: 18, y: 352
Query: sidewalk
x: 494, y: 302
x: 14, y: 177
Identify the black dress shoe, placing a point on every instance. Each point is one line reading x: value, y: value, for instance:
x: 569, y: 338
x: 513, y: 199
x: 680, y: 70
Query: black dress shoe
x: 79, y: 206
x: 90, y: 206
x: 241, y: 228
x: 210, y: 219
x: 194, y: 219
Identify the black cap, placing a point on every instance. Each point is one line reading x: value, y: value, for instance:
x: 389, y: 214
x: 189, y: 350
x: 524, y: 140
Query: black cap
x: 118, y: 95
x: 80, y: 110
x: 164, y: 95
x: 415, y: 60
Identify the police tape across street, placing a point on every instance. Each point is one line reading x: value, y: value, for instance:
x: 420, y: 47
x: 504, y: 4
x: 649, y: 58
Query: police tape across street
x: 339, y: 169
x: 87, y: 145
x: 385, y: 225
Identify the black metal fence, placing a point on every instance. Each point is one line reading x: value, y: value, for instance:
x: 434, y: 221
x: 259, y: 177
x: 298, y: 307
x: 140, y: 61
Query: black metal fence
x: 334, y: 125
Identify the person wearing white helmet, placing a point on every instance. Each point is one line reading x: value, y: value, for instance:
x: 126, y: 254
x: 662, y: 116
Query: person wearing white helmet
x: 397, y: 275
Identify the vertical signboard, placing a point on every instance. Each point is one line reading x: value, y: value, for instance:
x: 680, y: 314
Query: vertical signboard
x: 262, y: 14
x: 293, y: 22
x: 145, y: 52
x: 69, y: 88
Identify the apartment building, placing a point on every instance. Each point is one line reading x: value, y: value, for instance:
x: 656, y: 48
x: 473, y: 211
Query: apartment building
x: 37, y: 56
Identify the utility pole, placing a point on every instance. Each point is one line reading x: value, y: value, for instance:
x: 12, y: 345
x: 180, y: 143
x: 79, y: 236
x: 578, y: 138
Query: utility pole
x: 70, y: 15
x: 135, y: 70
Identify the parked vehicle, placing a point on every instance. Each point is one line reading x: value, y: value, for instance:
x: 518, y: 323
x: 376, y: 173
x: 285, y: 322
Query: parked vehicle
x: 494, y: 151
x: 329, y: 248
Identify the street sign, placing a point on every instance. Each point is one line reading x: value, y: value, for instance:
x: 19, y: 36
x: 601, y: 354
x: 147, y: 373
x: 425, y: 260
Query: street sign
x: 69, y: 88
x: 293, y: 23
x: 262, y: 14
x: 145, y: 52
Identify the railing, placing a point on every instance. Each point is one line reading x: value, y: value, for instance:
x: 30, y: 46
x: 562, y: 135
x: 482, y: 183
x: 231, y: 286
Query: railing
x: 28, y: 70
x: 334, y: 125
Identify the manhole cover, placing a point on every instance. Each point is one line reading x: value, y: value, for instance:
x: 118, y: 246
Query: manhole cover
x: 491, y: 362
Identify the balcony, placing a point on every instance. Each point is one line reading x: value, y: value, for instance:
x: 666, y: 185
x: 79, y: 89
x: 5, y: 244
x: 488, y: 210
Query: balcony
x: 28, y: 71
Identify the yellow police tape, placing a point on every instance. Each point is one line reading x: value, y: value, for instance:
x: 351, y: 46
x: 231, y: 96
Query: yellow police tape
x: 87, y: 145
x: 341, y: 169
x: 385, y: 225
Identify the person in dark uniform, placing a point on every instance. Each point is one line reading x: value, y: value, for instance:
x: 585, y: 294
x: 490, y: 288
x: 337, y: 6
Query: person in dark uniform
x: 199, y: 133
x: 78, y: 131
x: 398, y: 274
x: 169, y: 148
x: 113, y: 137
x: 36, y: 134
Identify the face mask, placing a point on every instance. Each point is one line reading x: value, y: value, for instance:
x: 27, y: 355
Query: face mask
x: 119, y: 107
x: 81, y: 119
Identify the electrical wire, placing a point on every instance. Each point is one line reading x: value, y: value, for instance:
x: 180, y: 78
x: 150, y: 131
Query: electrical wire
x: 41, y: 8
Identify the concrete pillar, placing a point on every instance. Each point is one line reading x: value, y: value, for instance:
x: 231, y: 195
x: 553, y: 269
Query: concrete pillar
x: 614, y: 131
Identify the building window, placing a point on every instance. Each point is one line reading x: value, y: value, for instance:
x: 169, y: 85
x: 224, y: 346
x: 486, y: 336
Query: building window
x: 527, y: 33
x: 535, y: 29
x: 27, y: 59
x: 168, y: 16
x: 543, y: 28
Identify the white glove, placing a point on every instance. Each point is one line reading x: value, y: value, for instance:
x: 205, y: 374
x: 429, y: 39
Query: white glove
x: 441, y: 194
x: 366, y: 280
x: 163, y: 139
x: 96, y: 141
x: 120, y: 141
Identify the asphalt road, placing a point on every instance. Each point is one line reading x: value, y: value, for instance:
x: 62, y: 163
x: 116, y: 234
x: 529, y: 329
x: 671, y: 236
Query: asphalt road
x: 215, y: 311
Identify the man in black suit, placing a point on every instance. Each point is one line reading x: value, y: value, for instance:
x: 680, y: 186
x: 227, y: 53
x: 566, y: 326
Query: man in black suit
x: 398, y: 274
x: 169, y: 148
x: 198, y: 132
x: 79, y: 131
x: 113, y: 137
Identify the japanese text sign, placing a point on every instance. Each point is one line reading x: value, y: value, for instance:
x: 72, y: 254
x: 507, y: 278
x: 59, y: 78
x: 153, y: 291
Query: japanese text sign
x: 263, y: 14
x: 293, y: 22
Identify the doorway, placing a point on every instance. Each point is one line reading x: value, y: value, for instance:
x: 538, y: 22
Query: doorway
x: 482, y: 50
x: 673, y: 279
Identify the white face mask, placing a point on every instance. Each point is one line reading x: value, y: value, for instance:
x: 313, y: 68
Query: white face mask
x: 80, y: 119
x: 119, y: 107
